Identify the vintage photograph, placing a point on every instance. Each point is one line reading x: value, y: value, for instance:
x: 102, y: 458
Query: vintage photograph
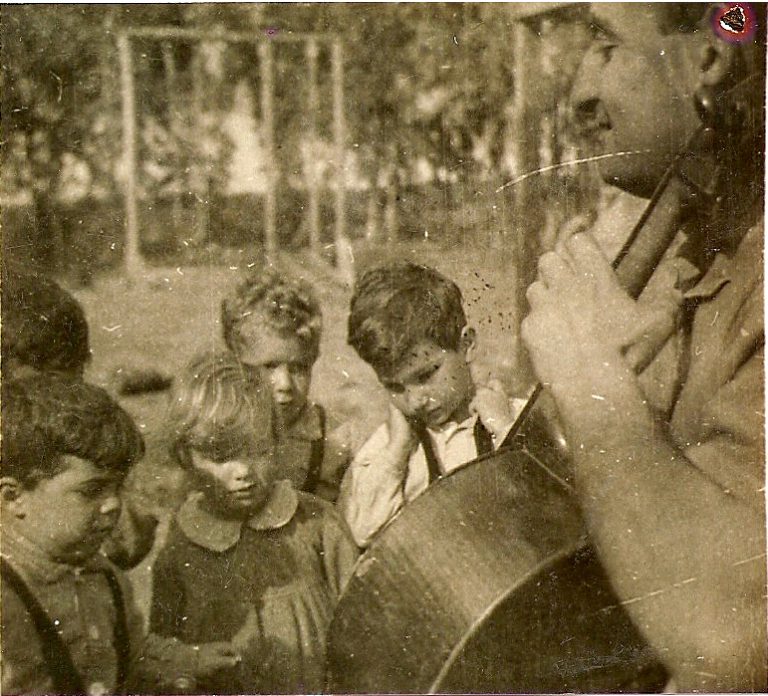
x: 359, y: 348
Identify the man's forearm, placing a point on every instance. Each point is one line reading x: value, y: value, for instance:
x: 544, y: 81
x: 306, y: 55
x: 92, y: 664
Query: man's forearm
x: 685, y: 557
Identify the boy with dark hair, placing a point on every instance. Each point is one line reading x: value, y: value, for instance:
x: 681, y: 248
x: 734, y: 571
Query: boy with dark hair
x: 273, y: 324
x: 674, y: 500
x: 407, y: 322
x: 44, y: 329
x: 68, y: 626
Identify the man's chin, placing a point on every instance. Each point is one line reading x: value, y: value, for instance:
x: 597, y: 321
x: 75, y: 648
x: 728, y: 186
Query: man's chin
x: 635, y: 175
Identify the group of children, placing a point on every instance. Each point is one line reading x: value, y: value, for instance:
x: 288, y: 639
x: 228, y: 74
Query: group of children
x: 247, y: 578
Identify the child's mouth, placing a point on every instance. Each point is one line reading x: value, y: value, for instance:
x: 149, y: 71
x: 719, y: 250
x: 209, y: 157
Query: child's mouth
x: 246, y: 492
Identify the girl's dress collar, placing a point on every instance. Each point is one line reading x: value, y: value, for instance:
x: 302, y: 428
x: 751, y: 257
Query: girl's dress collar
x: 217, y: 534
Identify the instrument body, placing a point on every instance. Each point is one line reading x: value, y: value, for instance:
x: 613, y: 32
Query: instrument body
x: 505, y: 594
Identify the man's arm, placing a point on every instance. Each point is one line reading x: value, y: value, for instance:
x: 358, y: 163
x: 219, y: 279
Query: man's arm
x: 686, y: 557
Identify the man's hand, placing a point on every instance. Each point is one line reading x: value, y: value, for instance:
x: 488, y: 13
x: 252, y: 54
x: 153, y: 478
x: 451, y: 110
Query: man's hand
x: 212, y: 657
x: 491, y: 404
x: 580, y: 321
x: 402, y: 440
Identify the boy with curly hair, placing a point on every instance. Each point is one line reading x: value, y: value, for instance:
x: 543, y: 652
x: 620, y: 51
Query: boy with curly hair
x: 273, y: 324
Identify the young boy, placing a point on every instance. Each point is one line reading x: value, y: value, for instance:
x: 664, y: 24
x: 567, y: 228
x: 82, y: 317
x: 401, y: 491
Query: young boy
x: 44, y: 330
x: 248, y: 559
x: 407, y: 322
x: 67, y: 627
x: 273, y: 324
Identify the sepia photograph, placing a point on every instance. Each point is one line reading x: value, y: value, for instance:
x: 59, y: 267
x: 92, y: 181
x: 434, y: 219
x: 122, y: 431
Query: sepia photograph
x: 382, y: 348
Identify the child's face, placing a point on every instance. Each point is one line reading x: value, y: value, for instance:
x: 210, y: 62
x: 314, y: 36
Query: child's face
x: 69, y: 515
x: 432, y: 385
x: 285, y: 364
x: 240, y: 486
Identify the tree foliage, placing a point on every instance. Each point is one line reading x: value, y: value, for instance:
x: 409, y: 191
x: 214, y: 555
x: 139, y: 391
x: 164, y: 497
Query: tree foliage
x: 426, y: 81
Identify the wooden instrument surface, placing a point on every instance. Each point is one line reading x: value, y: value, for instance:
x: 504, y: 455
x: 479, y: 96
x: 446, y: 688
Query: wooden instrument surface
x: 486, y: 584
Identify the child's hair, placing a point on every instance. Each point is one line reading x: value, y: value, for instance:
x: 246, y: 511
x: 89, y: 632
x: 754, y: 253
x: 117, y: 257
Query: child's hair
x: 283, y: 304
x: 44, y: 327
x: 46, y: 416
x: 396, y: 305
x: 217, y: 408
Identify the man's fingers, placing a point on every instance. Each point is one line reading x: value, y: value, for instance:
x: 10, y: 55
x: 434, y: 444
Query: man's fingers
x: 536, y: 294
x: 577, y: 224
x: 553, y: 269
x: 400, y: 431
x: 586, y: 255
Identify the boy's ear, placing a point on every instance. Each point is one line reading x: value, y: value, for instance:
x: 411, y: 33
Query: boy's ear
x: 11, y: 494
x: 468, y: 343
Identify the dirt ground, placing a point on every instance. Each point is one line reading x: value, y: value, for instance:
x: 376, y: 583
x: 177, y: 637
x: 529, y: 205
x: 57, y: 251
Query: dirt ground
x: 172, y: 314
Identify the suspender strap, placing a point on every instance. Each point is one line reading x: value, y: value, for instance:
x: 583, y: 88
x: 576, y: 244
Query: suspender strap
x: 483, y: 446
x: 483, y: 439
x: 122, y: 640
x: 66, y: 679
x: 429, y: 453
x: 316, y: 454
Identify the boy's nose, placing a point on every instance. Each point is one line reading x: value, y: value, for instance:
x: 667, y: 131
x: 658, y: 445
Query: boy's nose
x: 111, y: 505
x: 241, y: 470
x: 281, y: 378
x: 418, y: 398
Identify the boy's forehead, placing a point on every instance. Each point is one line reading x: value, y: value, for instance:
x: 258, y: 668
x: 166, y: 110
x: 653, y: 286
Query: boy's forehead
x: 263, y: 341
x: 420, y: 355
x: 77, y: 470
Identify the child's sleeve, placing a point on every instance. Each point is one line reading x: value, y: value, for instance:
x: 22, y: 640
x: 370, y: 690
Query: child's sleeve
x: 339, y: 551
x: 337, y: 455
x: 167, y: 609
x: 158, y: 662
x: 371, y: 490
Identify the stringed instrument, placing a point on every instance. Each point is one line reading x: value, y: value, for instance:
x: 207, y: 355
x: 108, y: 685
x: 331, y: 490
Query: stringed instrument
x: 488, y: 582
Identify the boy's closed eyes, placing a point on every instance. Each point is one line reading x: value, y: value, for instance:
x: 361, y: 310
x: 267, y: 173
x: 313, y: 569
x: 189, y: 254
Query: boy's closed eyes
x: 432, y: 385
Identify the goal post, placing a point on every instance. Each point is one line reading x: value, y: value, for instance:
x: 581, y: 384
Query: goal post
x: 133, y: 263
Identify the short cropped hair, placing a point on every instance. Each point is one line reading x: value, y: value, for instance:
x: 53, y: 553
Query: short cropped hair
x: 43, y: 326
x: 217, y: 408
x: 283, y: 304
x: 394, y: 306
x: 682, y: 17
x: 46, y: 416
